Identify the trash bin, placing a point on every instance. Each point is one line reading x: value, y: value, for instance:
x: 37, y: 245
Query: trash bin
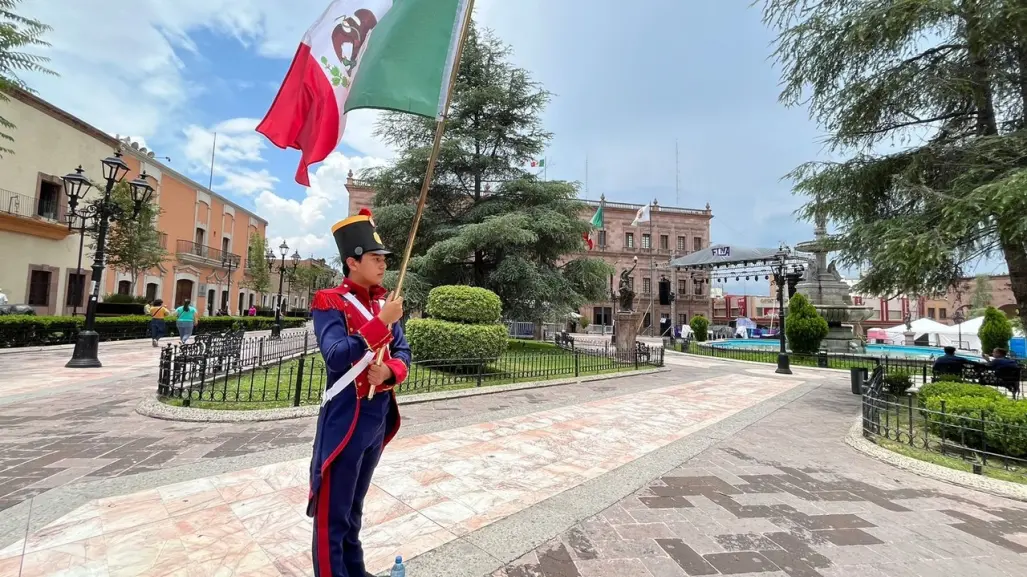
x: 857, y: 376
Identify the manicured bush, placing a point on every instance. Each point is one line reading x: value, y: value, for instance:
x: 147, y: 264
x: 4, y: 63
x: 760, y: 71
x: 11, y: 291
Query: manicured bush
x: 124, y: 299
x: 700, y: 326
x: 995, y: 331
x: 28, y: 331
x: 955, y: 389
x: 898, y: 383
x: 804, y: 327
x: 434, y: 339
x: 464, y: 304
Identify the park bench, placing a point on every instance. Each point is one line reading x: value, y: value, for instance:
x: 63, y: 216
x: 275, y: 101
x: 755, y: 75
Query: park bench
x: 1007, y: 377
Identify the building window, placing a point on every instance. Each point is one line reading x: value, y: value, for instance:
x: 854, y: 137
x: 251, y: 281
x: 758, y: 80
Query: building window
x: 49, y: 201
x: 697, y: 243
x: 225, y: 243
x: 602, y: 316
x: 198, y: 238
x: 930, y: 312
x: 664, y: 242
x: 682, y: 319
x: 697, y: 289
x: 682, y: 286
x: 39, y: 288
x: 76, y: 288
x: 631, y: 282
x: 629, y: 240
x: 681, y: 244
x: 647, y: 285
x: 648, y: 320
x: 602, y: 239
x: 124, y: 287
x: 151, y: 292
x: 647, y: 241
x: 943, y: 314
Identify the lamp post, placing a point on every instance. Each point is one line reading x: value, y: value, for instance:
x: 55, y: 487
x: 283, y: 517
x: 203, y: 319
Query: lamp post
x: 76, y: 184
x: 276, y: 331
x: 781, y: 258
x: 84, y: 217
x: 230, y: 263
x: 958, y: 318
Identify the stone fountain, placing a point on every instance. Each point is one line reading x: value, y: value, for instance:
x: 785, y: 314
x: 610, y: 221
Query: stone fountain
x: 823, y: 286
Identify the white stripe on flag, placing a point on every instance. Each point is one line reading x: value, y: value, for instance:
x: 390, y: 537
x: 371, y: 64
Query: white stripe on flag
x: 454, y: 45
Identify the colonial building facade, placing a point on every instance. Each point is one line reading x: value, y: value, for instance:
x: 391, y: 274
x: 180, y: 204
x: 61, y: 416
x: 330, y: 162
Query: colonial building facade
x: 674, y: 232
x: 205, y: 235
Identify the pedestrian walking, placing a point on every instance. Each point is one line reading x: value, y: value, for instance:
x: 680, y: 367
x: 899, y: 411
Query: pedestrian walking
x: 186, y: 320
x: 158, y: 326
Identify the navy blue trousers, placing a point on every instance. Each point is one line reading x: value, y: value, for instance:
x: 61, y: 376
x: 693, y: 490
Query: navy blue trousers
x: 348, y: 480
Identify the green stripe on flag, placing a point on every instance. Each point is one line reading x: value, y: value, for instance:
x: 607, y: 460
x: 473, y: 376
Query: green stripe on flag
x: 404, y: 65
x: 597, y: 218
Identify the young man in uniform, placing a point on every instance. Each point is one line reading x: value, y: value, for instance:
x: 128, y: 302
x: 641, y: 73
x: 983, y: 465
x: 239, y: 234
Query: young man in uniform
x: 359, y: 415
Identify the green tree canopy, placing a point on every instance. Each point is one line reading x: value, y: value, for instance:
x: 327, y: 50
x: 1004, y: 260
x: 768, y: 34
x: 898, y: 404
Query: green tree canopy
x: 995, y: 331
x: 134, y: 245
x: 945, y: 83
x: 257, y: 277
x: 16, y: 34
x: 981, y: 297
x: 487, y: 223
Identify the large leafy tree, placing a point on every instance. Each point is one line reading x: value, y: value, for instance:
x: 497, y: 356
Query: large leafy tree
x: 134, y: 244
x: 945, y: 83
x: 258, y: 277
x: 487, y: 223
x: 16, y: 34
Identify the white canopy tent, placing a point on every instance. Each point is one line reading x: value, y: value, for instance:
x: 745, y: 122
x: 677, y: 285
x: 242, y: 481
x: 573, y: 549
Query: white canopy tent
x: 938, y: 335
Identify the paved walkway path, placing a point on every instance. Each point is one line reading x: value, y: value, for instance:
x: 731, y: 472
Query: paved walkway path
x: 430, y: 489
x: 788, y: 497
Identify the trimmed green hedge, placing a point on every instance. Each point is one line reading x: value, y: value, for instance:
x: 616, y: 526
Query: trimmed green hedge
x: 434, y: 339
x: 976, y: 416
x: 29, y: 331
x: 464, y: 304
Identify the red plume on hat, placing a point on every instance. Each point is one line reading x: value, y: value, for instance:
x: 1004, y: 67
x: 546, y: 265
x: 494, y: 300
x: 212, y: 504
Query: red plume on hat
x: 366, y: 212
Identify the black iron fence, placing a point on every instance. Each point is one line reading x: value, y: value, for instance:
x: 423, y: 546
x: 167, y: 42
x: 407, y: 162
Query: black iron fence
x: 226, y: 371
x: 918, y: 369
x: 983, y: 435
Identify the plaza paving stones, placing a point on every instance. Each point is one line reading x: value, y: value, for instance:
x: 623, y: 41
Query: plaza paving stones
x: 429, y: 490
x: 787, y: 497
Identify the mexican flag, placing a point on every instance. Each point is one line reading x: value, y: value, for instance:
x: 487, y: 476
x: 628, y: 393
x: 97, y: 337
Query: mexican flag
x: 383, y: 54
x: 538, y: 163
x: 595, y: 224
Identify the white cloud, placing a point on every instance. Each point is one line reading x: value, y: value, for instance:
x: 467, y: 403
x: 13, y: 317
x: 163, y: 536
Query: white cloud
x: 305, y: 224
x: 238, y: 148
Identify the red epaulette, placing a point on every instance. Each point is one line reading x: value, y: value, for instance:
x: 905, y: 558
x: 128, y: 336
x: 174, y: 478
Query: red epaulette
x: 329, y: 299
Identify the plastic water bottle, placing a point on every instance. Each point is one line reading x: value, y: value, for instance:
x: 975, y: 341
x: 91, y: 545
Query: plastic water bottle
x: 399, y: 569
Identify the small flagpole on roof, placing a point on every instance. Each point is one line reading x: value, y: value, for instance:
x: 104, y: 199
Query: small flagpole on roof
x: 440, y: 127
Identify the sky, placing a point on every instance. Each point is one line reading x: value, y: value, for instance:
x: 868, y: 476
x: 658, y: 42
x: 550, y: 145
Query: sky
x: 693, y: 74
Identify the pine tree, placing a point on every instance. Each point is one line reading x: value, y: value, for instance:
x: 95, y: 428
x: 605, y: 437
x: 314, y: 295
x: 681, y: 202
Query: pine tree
x: 488, y: 222
x: 16, y: 33
x: 944, y: 82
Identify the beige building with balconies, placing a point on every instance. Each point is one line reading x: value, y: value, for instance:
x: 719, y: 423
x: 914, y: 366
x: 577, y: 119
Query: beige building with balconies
x: 205, y: 235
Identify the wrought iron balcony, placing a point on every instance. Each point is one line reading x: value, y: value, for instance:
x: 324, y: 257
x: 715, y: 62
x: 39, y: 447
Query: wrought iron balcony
x: 189, y: 251
x: 45, y: 216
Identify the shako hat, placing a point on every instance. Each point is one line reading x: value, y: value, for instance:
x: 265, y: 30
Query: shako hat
x: 355, y: 236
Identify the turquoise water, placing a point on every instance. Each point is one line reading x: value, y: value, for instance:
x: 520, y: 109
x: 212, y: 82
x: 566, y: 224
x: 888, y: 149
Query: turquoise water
x: 891, y: 351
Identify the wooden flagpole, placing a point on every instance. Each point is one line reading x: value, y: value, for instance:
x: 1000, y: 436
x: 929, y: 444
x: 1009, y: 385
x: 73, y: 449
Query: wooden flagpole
x: 429, y: 173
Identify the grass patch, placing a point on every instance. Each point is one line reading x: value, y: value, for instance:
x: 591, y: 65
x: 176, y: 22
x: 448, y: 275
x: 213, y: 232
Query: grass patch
x: 275, y: 386
x: 897, y: 421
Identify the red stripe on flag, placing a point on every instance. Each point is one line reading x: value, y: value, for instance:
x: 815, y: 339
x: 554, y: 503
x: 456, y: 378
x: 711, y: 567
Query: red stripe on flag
x: 304, y: 114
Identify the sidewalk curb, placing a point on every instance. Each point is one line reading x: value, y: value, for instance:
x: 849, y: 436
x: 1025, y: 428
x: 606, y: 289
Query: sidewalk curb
x: 963, y: 479
x: 153, y: 408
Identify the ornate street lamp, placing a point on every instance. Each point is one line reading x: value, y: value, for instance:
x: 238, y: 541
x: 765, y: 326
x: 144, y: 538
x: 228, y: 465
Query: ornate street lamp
x: 76, y: 185
x: 958, y: 318
x: 276, y: 331
x: 780, y: 261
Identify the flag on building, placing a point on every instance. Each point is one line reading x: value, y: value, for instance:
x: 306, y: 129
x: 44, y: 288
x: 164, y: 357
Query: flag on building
x: 595, y: 224
x: 642, y: 215
x: 383, y: 54
x: 538, y: 163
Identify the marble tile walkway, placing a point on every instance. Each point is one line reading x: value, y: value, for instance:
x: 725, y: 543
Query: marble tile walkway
x: 429, y: 489
x: 787, y: 497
